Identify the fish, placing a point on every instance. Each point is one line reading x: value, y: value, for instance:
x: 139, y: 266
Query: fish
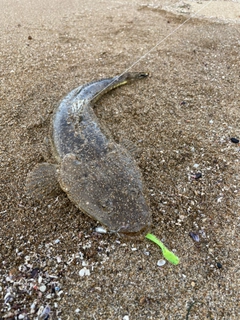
x: 99, y: 175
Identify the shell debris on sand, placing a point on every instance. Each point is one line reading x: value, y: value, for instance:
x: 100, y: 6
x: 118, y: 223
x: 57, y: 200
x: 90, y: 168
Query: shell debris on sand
x: 42, y: 288
x: 161, y: 263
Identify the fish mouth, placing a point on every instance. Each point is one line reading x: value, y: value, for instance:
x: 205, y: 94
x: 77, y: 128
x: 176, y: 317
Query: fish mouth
x: 136, y: 231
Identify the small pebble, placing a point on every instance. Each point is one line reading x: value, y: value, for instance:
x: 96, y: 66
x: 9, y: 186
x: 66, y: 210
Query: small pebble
x: 27, y: 258
x: 59, y: 293
x: 52, y: 276
x: 84, y: 272
x: 9, y: 279
x: 33, y: 307
x: 21, y: 316
x: 197, y: 176
x: 77, y: 310
x: 219, y: 265
x: 142, y: 300
x: 40, y: 310
x: 234, y: 140
x: 45, y: 314
x: 34, y: 272
x: 8, y: 297
x: 42, y: 288
x: 202, y: 233
x: 126, y: 317
x: 161, y: 263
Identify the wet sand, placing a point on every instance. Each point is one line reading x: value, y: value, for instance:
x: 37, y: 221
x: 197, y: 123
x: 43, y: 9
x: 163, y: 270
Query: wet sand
x: 181, y: 118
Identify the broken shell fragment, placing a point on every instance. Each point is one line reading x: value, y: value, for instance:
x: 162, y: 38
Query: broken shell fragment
x: 194, y: 236
x: 234, y: 140
x: 161, y: 262
x: 84, y: 272
x: 101, y: 230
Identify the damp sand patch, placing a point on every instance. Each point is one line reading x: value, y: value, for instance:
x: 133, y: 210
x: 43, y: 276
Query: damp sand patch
x: 219, y: 11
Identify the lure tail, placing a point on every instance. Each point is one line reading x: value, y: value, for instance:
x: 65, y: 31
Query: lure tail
x: 170, y: 256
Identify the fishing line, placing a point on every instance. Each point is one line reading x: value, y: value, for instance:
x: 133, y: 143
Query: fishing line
x: 153, y: 48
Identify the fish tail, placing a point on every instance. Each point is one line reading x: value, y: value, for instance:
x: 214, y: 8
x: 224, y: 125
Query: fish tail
x: 109, y: 84
x: 131, y: 76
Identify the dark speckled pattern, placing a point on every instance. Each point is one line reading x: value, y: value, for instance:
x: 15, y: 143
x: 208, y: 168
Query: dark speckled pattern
x: 98, y: 175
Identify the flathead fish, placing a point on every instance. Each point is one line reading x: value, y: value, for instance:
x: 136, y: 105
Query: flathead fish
x: 98, y: 175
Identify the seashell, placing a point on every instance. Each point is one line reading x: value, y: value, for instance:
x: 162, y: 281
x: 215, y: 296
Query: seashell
x: 234, y: 140
x: 161, y: 262
x: 100, y: 230
x: 194, y: 236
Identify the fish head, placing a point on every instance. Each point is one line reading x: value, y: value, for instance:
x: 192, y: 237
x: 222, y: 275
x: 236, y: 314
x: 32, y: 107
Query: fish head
x: 108, y: 189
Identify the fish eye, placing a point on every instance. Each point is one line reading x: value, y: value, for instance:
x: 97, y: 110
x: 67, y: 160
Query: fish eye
x: 106, y: 205
x: 134, y: 192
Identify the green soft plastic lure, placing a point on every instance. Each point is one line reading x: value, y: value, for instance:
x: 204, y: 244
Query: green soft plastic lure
x: 168, y: 255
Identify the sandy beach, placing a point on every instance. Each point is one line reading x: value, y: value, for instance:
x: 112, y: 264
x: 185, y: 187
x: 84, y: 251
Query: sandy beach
x: 184, y: 119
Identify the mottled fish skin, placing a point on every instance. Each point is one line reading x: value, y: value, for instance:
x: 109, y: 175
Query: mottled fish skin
x: 98, y: 175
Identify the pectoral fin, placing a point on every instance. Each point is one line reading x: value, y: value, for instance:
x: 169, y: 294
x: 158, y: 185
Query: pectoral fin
x: 131, y: 147
x: 42, y: 181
